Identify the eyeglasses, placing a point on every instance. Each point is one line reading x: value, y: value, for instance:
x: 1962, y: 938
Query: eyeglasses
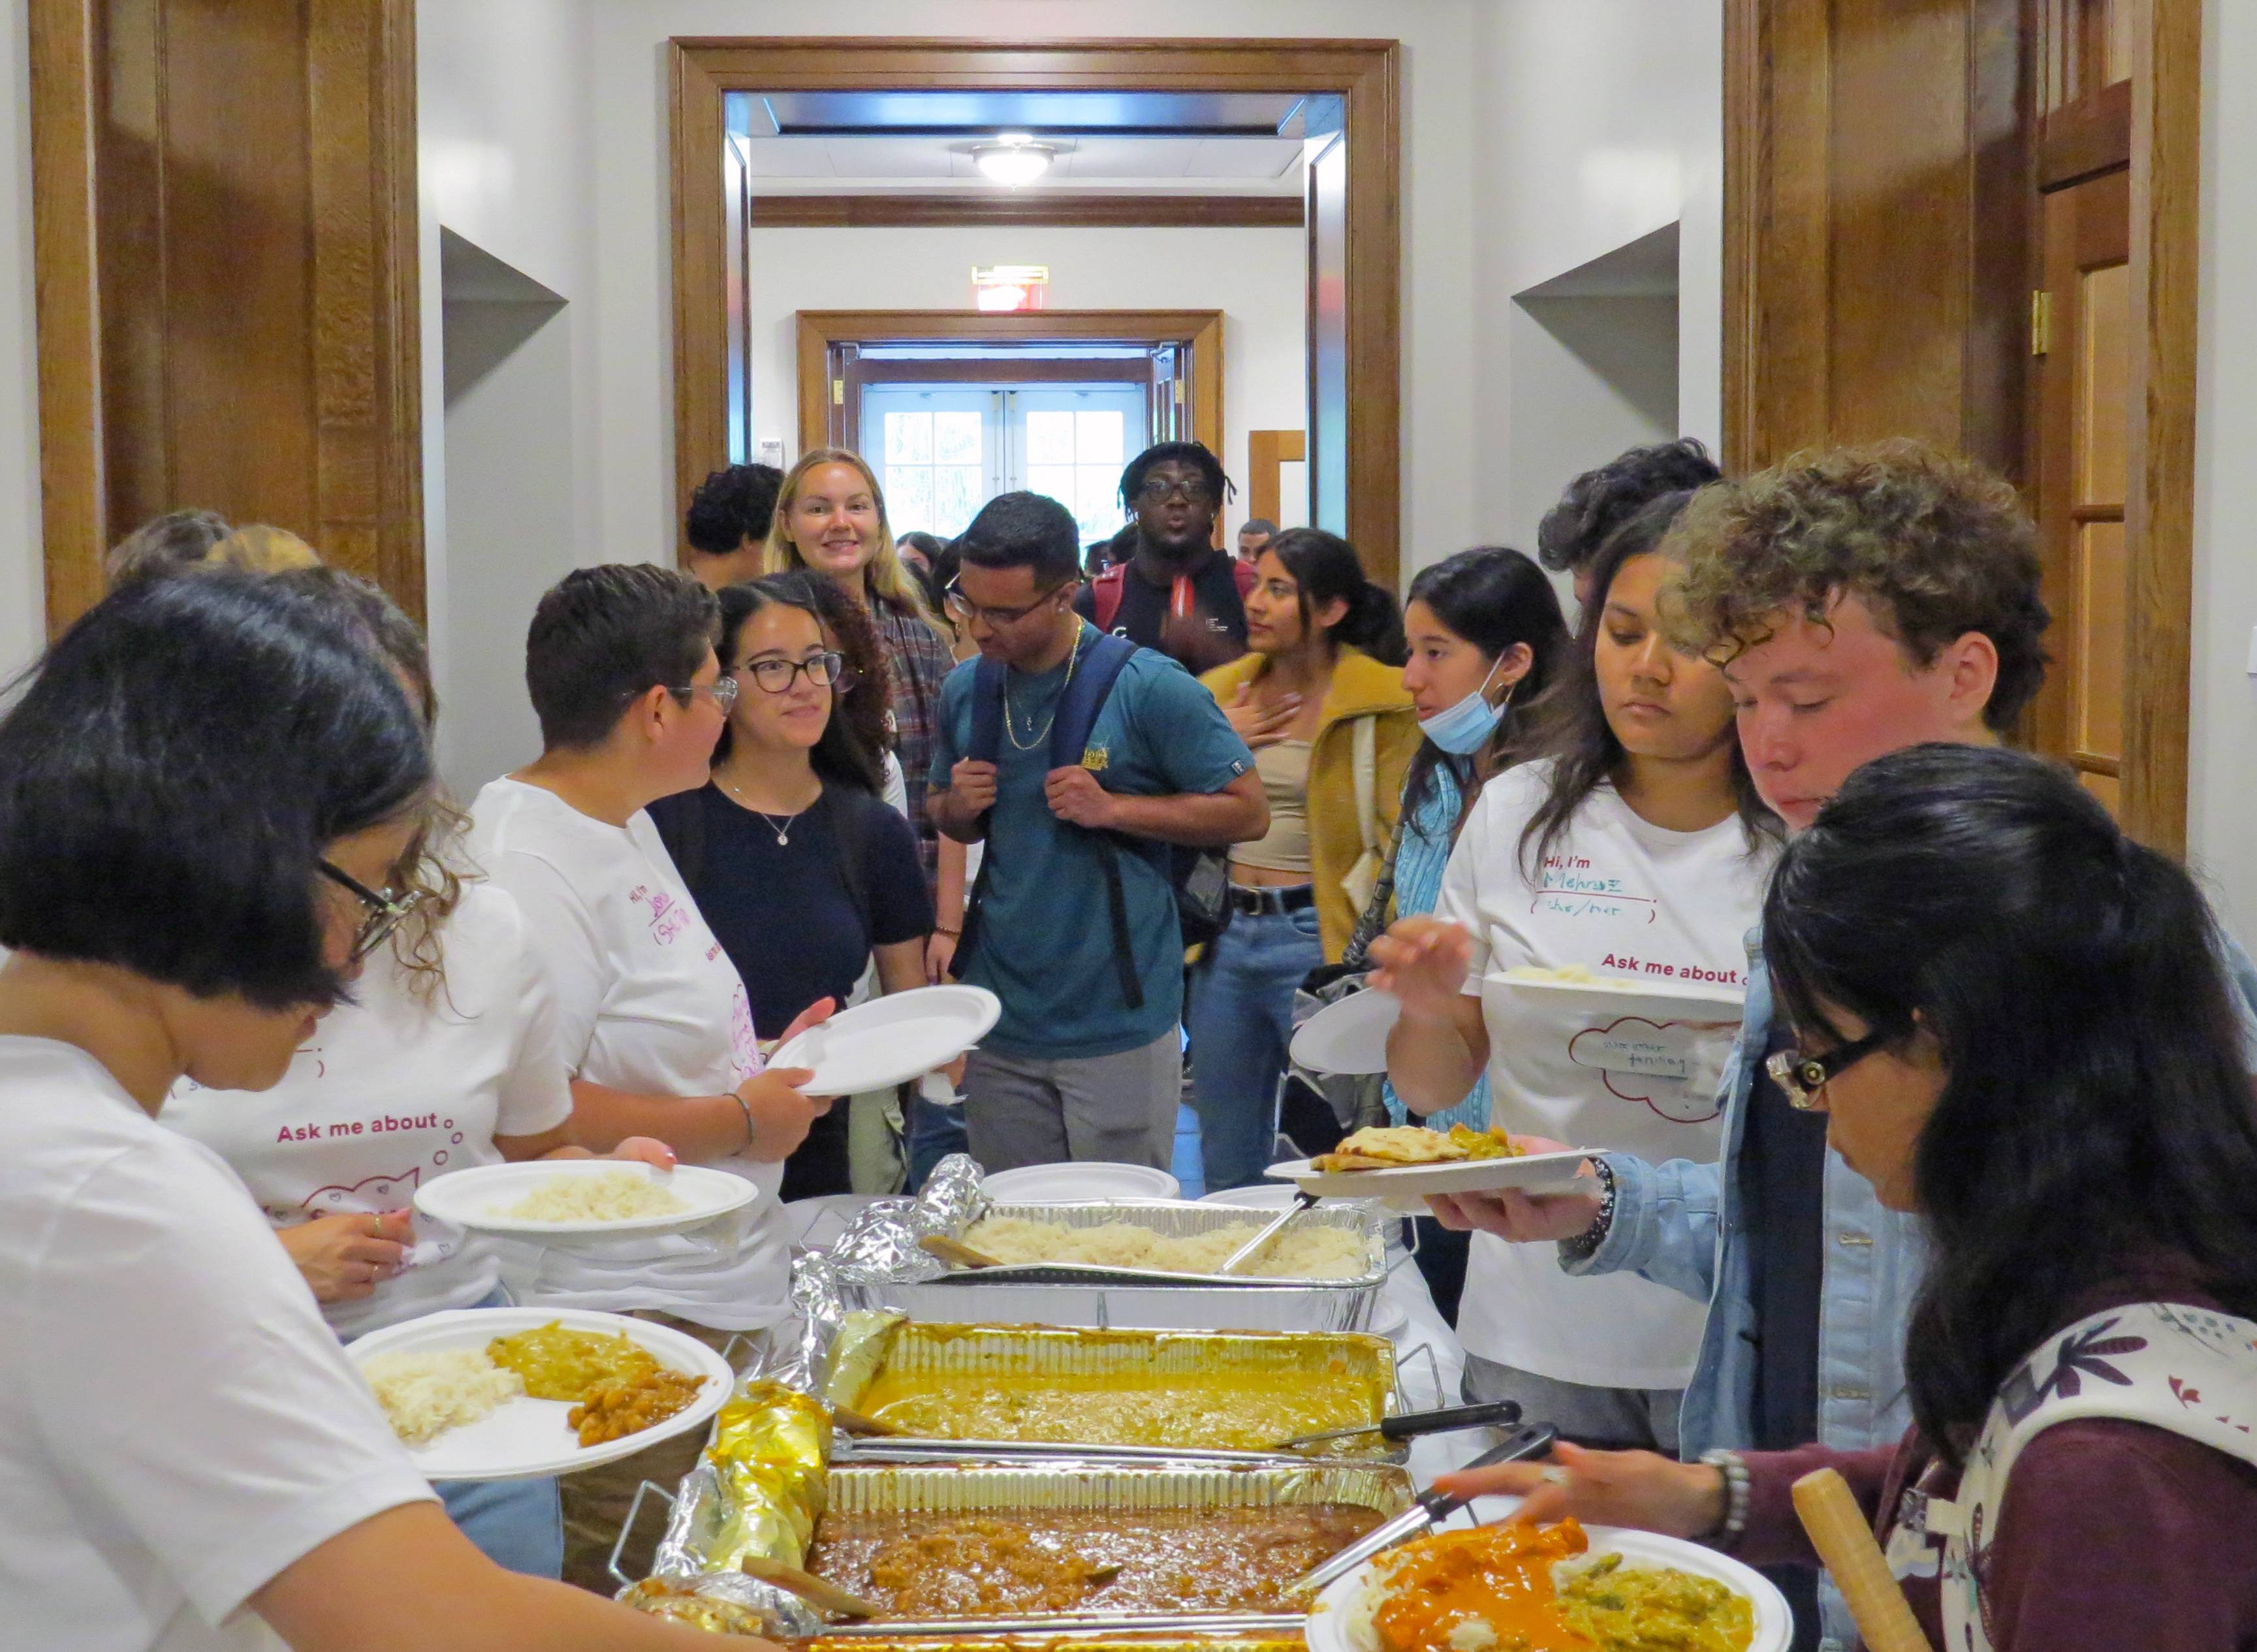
x: 1194, y: 490
x: 995, y: 619
x: 1802, y: 1076
x: 723, y: 688
x: 387, y: 912
x: 825, y: 670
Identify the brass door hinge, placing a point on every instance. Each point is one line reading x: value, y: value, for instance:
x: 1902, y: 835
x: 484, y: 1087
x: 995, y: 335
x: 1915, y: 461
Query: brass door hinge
x: 2041, y: 322
x: 837, y: 392
x: 1179, y: 391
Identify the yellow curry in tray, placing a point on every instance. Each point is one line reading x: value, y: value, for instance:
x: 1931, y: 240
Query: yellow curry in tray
x: 1228, y: 1412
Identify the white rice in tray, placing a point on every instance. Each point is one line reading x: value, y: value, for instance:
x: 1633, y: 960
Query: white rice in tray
x: 424, y: 1394
x: 1303, y: 1250
x: 613, y: 1196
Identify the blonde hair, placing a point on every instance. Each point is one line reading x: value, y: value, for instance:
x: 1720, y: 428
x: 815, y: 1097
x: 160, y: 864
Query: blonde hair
x: 257, y: 549
x: 887, y: 578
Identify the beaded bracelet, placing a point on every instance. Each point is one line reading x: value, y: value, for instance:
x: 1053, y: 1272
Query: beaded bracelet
x: 1729, y: 1531
x: 1585, y: 1244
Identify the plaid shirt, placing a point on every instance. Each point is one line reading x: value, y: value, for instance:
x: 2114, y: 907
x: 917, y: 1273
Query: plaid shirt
x: 917, y: 662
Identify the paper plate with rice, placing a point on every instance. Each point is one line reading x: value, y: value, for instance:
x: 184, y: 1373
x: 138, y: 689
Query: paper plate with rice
x: 583, y: 1201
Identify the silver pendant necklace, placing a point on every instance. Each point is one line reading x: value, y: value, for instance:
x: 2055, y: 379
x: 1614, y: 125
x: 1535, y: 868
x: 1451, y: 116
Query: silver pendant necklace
x: 783, y: 832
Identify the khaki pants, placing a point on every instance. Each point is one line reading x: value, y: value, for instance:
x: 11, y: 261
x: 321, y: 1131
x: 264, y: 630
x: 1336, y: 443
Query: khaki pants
x: 596, y: 1499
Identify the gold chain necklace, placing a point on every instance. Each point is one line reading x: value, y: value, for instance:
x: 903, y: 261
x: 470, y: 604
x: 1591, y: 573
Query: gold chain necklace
x: 1035, y: 737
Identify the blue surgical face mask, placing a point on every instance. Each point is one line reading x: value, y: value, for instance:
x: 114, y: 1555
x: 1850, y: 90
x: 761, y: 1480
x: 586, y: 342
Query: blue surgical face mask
x: 1463, y: 729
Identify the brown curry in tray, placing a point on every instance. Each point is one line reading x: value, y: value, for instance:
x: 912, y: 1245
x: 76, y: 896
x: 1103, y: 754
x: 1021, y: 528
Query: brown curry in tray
x: 920, y: 1565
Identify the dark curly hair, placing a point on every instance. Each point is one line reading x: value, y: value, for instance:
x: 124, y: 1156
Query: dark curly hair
x: 1935, y: 544
x: 1598, y: 502
x: 733, y: 508
x: 1192, y: 453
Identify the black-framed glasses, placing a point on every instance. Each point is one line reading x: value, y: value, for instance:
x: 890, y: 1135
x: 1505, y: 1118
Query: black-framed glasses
x: 386, y: 912
x: 995, y: 619
x: 1802, y: 1076
x: 1193, y: 490
x: 723, y: 688
x: 776, y: 676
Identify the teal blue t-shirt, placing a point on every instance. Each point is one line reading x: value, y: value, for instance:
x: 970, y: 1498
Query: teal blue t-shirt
x: 1045, y: 940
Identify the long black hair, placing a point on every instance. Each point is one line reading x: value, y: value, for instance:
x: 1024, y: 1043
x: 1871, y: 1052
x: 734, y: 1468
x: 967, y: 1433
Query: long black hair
x: 175, y: 769
x: 1326, y: 566
x: 1495, y: 598
x: 842, y: 757
x: 2095, y: 1119
x: 1570, y: 724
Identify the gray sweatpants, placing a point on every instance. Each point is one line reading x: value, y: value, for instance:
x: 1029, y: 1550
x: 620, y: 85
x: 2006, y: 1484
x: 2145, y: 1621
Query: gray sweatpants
x: 1022, y: 1110
x: 1636, y: 1417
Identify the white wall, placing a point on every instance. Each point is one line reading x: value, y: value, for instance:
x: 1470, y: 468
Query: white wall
x: 23, y: 585
x: 627, y: 114
x: 2222, y: 806
x: 1256, y: 277
x: 1600, y: 122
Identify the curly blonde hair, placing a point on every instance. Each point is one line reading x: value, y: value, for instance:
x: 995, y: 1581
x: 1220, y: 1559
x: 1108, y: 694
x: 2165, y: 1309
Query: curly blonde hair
x: 1936, y: 545
x: 886, y: 578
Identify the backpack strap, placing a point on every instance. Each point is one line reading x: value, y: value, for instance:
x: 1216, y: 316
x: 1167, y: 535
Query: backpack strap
x: 681, y: 829
x: 988, y: 678
x: 1076, y: 721
x: 1105, y: 596
x: 847, y: 821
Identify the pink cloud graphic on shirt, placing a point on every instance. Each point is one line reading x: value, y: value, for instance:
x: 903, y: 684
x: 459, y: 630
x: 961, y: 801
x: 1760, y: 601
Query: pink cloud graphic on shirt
x: 1675, y: 1102
x: 371, y: 1193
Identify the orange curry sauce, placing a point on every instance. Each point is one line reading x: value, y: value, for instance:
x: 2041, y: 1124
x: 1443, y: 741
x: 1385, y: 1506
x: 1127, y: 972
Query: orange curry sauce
x: 1501, y: 1575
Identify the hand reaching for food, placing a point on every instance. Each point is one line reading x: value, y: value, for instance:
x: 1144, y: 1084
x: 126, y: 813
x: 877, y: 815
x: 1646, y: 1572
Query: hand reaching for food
x: 1641, y: 1489
x: 344, y: 1257
x: 1526, y: 1218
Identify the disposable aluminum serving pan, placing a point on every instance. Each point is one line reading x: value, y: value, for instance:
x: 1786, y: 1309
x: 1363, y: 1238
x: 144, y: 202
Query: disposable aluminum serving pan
x: 1093, y: 1484
x: 1137, y: 1299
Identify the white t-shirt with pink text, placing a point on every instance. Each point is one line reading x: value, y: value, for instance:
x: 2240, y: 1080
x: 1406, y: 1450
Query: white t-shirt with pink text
x: 1622, y: 897
x: 411, y: 1081
x: 645, y: 1001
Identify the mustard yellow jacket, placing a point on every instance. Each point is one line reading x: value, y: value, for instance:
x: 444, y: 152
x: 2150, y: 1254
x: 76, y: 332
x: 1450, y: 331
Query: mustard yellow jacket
x: 1361, y: 687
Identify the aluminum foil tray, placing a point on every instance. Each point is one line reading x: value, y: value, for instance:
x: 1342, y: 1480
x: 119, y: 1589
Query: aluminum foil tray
x: 1129, y: 1491
x: 1303, y: 1382
x: 1125, y: 1298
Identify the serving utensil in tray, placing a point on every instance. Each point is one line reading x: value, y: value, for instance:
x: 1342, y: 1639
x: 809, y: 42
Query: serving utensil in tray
x: 1429, y: 1510
x: 1406, y: 1425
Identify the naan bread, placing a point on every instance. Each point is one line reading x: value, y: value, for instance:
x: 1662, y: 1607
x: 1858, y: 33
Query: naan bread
x: 1389, y: 1146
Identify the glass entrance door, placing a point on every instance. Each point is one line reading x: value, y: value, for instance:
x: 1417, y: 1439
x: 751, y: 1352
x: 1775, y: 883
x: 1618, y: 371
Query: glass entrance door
x: 942, y: 451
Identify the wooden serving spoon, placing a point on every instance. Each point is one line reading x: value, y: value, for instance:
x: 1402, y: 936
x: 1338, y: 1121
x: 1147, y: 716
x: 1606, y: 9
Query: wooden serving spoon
x: 955, y: 1251
x: 809, y: 1587
x: 854, y: 1422
x: 1844, y: 1542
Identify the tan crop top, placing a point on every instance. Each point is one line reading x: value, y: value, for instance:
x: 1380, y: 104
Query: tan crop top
x: 1285, y: 771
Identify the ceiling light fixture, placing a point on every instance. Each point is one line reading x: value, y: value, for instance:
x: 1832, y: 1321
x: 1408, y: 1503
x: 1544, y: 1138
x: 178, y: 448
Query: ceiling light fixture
x: 1014, y: 159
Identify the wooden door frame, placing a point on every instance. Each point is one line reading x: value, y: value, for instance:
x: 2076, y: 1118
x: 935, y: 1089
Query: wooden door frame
x: 365, y: 292
x: 1365, y: 74
x: 821, y: 331
x: 1777, y: 116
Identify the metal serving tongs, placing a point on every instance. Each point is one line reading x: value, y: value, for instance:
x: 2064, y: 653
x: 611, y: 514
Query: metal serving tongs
x: 1494, y: 1413
x: 1252, y: 1248
x: 1430, y: 1511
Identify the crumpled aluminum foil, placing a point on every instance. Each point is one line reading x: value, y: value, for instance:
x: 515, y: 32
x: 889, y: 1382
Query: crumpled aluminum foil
x: 725, y: 1603
x: 879, y: 1246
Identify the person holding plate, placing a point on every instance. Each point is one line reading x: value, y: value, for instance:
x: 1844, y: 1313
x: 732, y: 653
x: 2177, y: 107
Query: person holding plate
x: 188, y: 881
x: 2019, y: 1027
x: 1638, y: 849
x: 446, y: 1058
x: 790, y: 838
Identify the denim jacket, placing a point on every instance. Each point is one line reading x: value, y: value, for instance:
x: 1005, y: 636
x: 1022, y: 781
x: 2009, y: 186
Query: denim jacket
x: 1678, y: 1224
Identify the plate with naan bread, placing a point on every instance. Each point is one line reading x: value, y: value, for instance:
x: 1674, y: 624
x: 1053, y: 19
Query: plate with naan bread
x: 1401, y: 1164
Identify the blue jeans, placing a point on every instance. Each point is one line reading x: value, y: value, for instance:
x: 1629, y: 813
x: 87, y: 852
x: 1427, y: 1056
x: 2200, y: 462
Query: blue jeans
x: 935, y: 1132
x: 1241, y: 1019
x: 518, y: 1524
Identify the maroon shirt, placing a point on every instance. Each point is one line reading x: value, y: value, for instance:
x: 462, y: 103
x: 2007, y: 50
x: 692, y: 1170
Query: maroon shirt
x: 2114, y: 1537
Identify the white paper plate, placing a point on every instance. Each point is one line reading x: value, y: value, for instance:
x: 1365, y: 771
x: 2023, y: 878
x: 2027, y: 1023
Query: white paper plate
x: 891, y: 1040
x: 526, y: 1438
x: 1327, y: 1630
x: 1699, y: 1005
x: 1349, y: 1036
x: 474, y: 1198
x: 1079, y: 1183
x: 1270, y: 1195
x: 1405, y: 1187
